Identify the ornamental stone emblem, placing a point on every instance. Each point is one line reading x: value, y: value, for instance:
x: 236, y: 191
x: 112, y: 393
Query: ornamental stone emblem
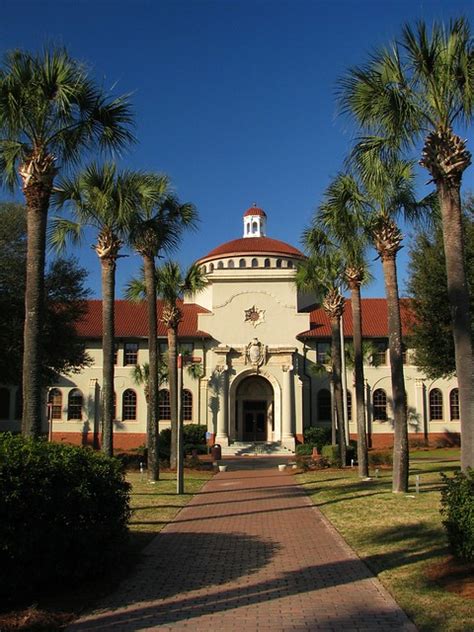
x: 256, y: 353
x: 254, y: 316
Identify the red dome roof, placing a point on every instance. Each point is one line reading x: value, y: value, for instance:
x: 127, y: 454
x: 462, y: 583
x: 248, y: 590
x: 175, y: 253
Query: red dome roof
x: 255, y: 210
x: 253, y: 245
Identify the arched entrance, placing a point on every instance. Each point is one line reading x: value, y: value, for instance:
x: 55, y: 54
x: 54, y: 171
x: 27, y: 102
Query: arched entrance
x: 254, y: 408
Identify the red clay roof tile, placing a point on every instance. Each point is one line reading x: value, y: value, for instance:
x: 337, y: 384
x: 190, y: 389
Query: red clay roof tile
x: 253, y: 245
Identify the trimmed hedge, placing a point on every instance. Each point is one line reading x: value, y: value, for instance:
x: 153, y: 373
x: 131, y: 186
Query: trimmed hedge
x: 63, y: 514
x: 317, y: 436
x: 457, y: 507
x: 331, y: 453
x: 380, y: 457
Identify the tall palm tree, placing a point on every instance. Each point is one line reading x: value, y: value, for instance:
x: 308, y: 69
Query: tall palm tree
x: 104, y: 199
x: 51, y: 114
x: 172, y: 284
x: 157, y: 226
x: 338, y: 213
x: 323, y: 273
x: 418, y: 90
x: 375, y: 200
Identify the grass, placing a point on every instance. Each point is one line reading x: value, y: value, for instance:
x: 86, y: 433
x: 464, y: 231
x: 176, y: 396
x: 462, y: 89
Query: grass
x: 153, y: 506
x: 399, y: 536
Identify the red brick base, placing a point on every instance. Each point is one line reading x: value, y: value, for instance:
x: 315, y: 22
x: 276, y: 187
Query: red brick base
x: 122, y: 441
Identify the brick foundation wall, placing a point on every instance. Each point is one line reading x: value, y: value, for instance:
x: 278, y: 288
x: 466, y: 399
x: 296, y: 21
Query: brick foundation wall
x: 122, y: 441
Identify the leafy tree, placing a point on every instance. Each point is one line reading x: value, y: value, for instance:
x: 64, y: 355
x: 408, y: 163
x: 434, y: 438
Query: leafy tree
x: 51, y: 113
x: 323, y: 273
x: 419, y: 89
x: 157, y: 226
x: 62, y: 350
x: 432, y: 338
x: 104, y: 199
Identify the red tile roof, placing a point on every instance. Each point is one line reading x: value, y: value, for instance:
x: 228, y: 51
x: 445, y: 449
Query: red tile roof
x: 374, y: 319
x: 253, y: 245
x: 131, y: 320
x: 255, y: 210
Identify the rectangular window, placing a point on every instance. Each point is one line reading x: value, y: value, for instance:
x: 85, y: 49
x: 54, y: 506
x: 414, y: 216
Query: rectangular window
x: 130, y: 353
x: 379, y: 356
x: 323, y: 352
x: 162, y: 348
x: 404, y: 354
x: 186, y: 348
x: 116, y: 349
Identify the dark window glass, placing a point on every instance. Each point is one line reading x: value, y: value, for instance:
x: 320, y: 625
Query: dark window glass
x: 231, y: 264
x: 380, y: 404
x: 130, y: 353
x: 4, y: 403
x: 436, y: 404
x: 323, y: 352
x: 349, y: 405
x: 289, y: 264
x: 380, y: 353
x: 242, y: 263
x: 324, y: 405
x: 220, y: 265
x: 164, y: 409
x: 278, y: 263
x: 187, y: 405
x: 74, y: 404
x: 116, y: 350
x: 18, y: 404
x: 454, y: 404
x: 56, y: 403
x: 254, y: 263
x: 267, y: 263
x: 129, y: 405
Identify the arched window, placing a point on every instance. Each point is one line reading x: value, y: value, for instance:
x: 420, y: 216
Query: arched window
x: 436, y: 404
x: 289, y: 264
x: 454, y: 404
x: 164, y: 409
x: 187, y: 405
x: 266, y: 263
x: 211, y: 267
x: 4, y: 403
x: 380, y: 404
x: 349, y: 405
x: 129, y: 405
x: 254, y: 227
x: 74, y: 404
x: 278, y: 263
x: 220, y: 265
x: 248, y: 228
x: 55, y: 400
x: 231, y: 263
x: 204, y: 269
x: 254, y: 263
x: 242, y: 263
x: 324, y: 405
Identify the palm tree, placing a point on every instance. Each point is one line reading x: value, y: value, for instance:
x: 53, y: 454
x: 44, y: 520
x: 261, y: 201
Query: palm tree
x: 337, y: 214
x: 323, y: 273
x: 419, y: 89
x: 51, y: 114
x: 374, y: 201
x: 157, y: 227
x: 102, y: 198
x: 172, y: 284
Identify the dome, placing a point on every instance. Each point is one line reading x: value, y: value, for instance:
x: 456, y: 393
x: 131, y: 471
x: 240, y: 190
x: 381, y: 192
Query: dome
x: 253, y: 245
x: 255, y: 210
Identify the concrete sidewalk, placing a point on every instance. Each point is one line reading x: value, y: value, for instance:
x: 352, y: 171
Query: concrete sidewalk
x: 249, y: 552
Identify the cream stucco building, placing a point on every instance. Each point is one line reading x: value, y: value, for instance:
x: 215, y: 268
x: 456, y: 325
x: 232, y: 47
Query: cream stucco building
x: 257, y: 339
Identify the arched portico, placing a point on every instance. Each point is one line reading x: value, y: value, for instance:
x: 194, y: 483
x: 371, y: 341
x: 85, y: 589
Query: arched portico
x: 255, y: 407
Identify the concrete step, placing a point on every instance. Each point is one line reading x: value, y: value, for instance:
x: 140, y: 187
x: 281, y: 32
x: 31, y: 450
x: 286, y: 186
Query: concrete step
x: 264, y: 448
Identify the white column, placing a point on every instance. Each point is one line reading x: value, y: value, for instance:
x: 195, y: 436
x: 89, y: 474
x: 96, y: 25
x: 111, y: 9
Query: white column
x: 287, y: 436
x: 222, y: 436
x: 420, y: 406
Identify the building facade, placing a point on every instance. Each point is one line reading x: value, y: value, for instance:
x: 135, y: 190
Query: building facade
x: 261, y: 347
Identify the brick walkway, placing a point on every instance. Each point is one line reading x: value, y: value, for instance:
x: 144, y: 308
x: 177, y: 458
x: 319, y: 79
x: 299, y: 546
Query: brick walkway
x: 251, y: 553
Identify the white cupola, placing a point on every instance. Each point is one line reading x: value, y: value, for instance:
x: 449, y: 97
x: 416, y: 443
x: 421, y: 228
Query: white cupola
x: 254, y: 222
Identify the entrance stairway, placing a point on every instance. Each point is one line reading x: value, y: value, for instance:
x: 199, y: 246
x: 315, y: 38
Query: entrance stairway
x: 256, y: 448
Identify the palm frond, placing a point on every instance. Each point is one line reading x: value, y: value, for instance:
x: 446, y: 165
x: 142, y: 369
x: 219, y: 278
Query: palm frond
x: 62, y: 230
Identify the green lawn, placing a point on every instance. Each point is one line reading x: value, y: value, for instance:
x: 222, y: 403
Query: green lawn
x: 399, y: 536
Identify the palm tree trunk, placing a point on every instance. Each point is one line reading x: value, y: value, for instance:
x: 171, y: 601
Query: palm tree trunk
x: 173, y: 384
x: 152, y: 402
x: 362, y: 456
x: 108, y: 334
x: 37, y: 203
x: 400, y: 431
x: 336, y: 377
x: 458, y: 292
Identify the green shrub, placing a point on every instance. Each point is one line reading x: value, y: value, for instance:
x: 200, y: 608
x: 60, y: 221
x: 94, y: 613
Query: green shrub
x: 457, y: 507
x: 195, y: 434
x: 197, y: 448
x: 304, y: 449
x: 331, y: 453
x: 381, y: 457
x: 63, y: 514
x: 317, y: 436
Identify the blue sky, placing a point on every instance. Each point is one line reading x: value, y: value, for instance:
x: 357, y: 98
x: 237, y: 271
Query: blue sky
x: 234, y: 100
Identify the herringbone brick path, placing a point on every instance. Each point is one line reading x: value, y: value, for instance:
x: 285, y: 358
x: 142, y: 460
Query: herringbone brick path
x: 250, y: 552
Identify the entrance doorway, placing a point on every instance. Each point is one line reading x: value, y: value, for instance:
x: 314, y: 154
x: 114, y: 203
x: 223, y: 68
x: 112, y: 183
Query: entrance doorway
x: 255, y: 420
x: 254, y: 410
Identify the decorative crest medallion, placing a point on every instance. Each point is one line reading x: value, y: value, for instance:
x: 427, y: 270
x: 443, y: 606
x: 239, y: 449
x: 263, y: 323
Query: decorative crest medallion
x: 256, y: 353
x: 254, y: 316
